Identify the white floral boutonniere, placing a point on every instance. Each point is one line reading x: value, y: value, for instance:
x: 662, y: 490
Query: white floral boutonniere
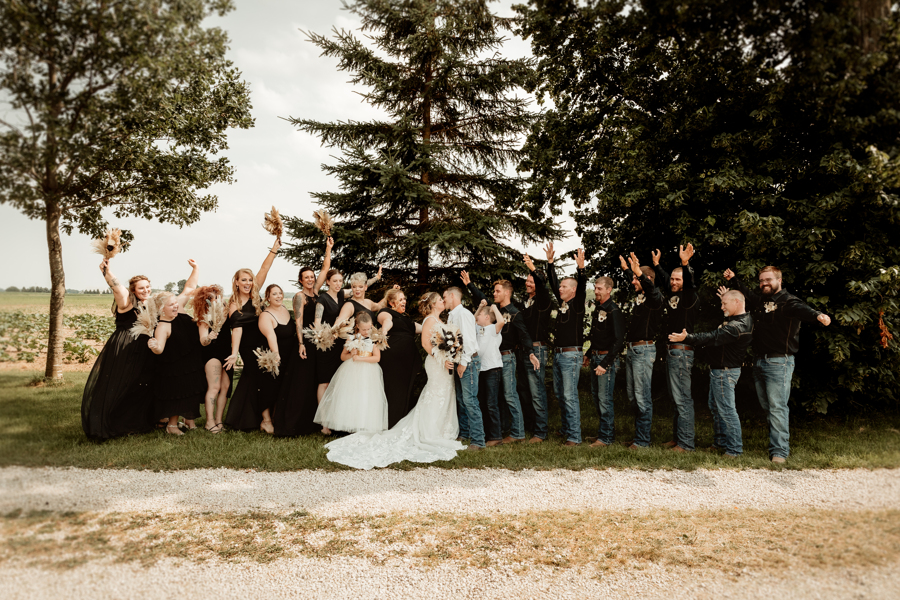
x: 507, y: 317
x: 529, y: 302
x: 673, y: 301
x: 564, y: 308
x: 601, y: 316
x: 769, y: 306
x: 640, y: 299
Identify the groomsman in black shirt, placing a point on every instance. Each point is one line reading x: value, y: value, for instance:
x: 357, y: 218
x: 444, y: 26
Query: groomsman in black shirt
x: 513, y: 334
x: 538, y: 306
x: 568, y: 351
x: 681, y: 304
x: 607, y: 339
x: 640, y: 338
x: 777, y: 315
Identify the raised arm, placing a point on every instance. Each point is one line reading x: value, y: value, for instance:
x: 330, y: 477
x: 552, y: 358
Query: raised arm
x: 473, y: 289
x: 386, y: 321
x: 541, y: 293
x: 189, y: 286
x: 499, y: 316
x: 120, y: 292
x: 326, y: 265
x: 267, y: 264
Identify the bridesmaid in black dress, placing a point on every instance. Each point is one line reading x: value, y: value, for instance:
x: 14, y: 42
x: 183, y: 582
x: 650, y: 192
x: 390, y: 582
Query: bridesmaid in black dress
x: 180, y: 380
x: 117, y: 399
x: 401, y: 362
x: 328, y: 307
x: 216, y: 348
x: 281, y: 338
x: 244, y: 309
x: 297, y: 401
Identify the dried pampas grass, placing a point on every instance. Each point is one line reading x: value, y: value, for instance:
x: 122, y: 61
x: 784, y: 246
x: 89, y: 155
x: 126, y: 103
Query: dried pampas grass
x: 381, y: 340
x: 148, y: 317
x: 273, y: 223
x: 448, y: 341
x: 356, y: 342
x: 110, y: 244
x: 345, y: 330
x: 323, y: 221
x: 321, y: 335
x: 268, y: 361
x: 216, y: 315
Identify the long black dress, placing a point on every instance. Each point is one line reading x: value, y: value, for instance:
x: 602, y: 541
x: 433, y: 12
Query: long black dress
x: 296, y: 405
x: 117, y: 398
x: 358, y: 308
x: 400, y: 363
x: 243, y: 409
x: 180, y: 382
x: 327, y: 362
x: 286, y: 336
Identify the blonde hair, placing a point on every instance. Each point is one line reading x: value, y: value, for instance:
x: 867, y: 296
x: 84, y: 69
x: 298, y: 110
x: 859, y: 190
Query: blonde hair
x: 358, y: 278
x: 159, y: 300
x: 391, y: 296
x: 132, y: 298
x: 360, y: 318
x: 490, y: 313
x: 427, y: 302
x: 254, y: 291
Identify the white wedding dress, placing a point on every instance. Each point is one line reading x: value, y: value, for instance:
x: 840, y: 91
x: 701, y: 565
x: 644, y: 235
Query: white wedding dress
x: 427, y: 434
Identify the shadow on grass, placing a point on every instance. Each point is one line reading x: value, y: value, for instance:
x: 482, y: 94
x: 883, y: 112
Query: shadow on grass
x: 41, y: 426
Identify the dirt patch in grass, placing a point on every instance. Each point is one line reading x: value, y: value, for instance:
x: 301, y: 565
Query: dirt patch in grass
x: 726, y: 541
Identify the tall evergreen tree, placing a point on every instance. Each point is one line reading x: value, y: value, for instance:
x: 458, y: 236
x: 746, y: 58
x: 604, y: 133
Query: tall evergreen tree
x: 426, y: 191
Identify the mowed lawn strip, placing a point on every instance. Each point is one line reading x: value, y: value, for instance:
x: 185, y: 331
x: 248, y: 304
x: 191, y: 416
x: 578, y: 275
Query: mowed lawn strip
x: 41, y: 426
x: 723, y: 540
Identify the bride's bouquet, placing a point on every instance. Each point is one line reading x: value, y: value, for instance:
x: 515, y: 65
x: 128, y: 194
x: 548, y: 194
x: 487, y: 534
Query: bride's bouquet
x: 147, y: 319
x: 216, y: 314
x: 447, y: 343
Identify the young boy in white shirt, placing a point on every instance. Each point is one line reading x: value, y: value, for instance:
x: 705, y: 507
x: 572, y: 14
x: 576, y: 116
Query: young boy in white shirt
x: 490, y: 323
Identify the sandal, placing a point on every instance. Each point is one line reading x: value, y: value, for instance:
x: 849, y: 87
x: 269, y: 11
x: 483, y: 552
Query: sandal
x: 215, y: 428
x: 177, y: 431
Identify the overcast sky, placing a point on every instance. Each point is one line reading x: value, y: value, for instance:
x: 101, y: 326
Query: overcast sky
x: 274, y: 163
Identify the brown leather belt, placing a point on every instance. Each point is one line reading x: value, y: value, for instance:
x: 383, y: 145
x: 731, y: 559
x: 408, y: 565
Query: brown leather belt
x: 599, y: 352
x: 536, y: 344
x: 569, y: 349
x: 765, y: 356
x: 504, y: 352
x: 679, y: 347
x: 641, y: 343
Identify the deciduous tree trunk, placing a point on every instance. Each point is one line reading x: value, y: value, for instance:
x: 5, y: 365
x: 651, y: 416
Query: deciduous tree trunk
x: 869, y: 13
x: 57, y: 294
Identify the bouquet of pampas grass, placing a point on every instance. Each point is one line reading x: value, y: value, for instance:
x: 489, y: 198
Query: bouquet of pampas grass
x: 321, y: 335
x: 345, y: 330
x: 273, y: 223
x: 110, y: 244
x: 216, y: 315
x: 268, y: 361
x: 381, y: 340
x: 323, y: 222
x: 447, y: 339
x: 148, y: 317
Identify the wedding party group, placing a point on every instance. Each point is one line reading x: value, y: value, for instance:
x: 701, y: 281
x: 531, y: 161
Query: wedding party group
x: 345, y: 363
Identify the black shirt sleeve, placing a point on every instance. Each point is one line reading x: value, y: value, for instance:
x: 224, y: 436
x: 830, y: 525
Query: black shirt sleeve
x: 540, y: 291
x: 553, y: 280
x: 796, y: 308
x: 726, y: 334
x: 653, y: 293
x: 477, y: 294
x: 662, y: 277
x: 689, y: 287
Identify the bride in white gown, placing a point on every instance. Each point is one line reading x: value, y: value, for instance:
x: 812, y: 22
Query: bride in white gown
x: 428, y: 433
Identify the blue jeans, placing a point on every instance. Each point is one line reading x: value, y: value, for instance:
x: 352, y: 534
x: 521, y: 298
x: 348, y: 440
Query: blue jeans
x: 517, y: 424
x: 602, y: 390
x: 773, y: 386
x: 678, y: 366
x: 726, y: 424
x: 538, y: 390
x: 638, y: 376
x: 489, y: 387
x: 566, y: 371
x: 468, y: 411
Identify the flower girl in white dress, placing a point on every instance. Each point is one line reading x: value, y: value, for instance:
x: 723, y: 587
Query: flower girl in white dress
x: 355, y: 400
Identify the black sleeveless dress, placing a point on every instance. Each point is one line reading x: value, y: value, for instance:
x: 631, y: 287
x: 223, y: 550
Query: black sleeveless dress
x: 286, y: 336
x: 358, y: 308
x: 117, y: 398
x: 327, y: 362
x: 180, y: 382
x: 400, y: 363
x: 220, y: 349
x: 296, y: 405
x: 243, y: 412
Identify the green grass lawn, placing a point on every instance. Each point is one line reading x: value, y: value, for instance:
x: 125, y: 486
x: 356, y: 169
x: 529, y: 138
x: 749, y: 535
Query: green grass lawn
x: 40, y: 303
x: 41, y: 426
